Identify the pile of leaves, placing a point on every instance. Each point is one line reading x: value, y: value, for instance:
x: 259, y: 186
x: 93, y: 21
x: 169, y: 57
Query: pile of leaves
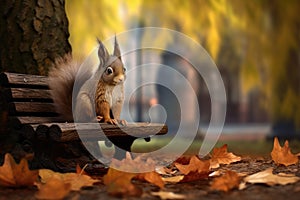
x: 122, y: 182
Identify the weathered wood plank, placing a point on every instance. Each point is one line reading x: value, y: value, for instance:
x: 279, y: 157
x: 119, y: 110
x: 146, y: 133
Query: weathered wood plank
x: 31, y: 107
x: 38, y: 120
x: 92, y: 131
x: 29, y: 80
x: 27, y: 93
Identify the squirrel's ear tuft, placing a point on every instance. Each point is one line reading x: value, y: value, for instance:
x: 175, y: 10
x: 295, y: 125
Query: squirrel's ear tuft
x: 102, y: 53
x: 117, y: 51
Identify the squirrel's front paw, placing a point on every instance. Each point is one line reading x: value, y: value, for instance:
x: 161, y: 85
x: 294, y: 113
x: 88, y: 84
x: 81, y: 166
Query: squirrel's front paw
x: 111, y: 121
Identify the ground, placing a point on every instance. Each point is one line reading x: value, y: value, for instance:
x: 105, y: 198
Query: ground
x: 255, y: 156
x: 193, y: 190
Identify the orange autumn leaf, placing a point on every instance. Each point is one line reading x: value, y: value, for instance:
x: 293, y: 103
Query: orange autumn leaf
x: 226, y: 182
x: 129, y: 168
x: 77, y: 181
x: 16, y: 175
x: 119, y: 183
x: 152, y: 177
x: 221, y: 156
x: 55, y: 188
x: 195, y: 165
x: 283, y: 155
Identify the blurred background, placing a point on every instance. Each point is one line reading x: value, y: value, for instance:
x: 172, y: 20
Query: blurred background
x: 255, y: 45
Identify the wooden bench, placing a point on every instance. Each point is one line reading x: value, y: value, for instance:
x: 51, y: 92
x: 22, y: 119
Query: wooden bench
x: 27, y: 110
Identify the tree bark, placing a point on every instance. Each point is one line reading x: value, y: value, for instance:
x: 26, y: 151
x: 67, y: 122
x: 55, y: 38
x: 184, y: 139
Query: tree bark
x: 32, y: 34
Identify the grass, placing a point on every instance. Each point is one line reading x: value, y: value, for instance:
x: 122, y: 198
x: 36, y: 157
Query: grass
x: 261, y: 147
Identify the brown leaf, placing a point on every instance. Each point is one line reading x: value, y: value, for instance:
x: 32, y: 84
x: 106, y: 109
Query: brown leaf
x: 119, y: 183
x: 195, y: 165
x: 16, y: 175
x: 267, y: 177
x: 283, y: 155
x: 77, y: 181
x: 195, y: 176
x: 55, y: 188
x: 221, y: 156
x: 226, y: 182
x: 168, y: 195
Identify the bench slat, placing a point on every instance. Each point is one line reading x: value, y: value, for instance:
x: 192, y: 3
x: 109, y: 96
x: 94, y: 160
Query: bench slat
x: 23, y: 79
x: 38, y: 120
x: 90, y: 131
x: 26, y: 93
x: 32, y: 107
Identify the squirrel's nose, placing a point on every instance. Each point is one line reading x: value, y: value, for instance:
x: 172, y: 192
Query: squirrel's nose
x: 119, y: 78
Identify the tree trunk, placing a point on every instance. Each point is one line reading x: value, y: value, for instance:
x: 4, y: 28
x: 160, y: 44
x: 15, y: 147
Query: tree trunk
x: 32, y: 34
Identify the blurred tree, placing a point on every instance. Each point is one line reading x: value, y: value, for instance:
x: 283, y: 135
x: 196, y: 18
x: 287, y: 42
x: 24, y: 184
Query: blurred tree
x: 92, y: 19
x: 264, y: 38
x: 32, y: 34
x: 257, y: 41
x: 273, y: 49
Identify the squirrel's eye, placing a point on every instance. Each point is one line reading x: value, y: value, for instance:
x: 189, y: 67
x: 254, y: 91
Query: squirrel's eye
x: 109, y: 70
x: 124, y: 69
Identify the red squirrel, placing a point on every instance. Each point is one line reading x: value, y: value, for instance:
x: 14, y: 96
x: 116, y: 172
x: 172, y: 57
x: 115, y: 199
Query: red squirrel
x: 101, y: 91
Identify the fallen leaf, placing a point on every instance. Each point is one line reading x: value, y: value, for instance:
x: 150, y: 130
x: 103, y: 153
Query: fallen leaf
x: 169, y: 195
x: 77, y: 181
x: 194, y: 176
x: 135, y: 165
x: 184, y: 160
x: 195, y: 165
x: 164, y: 170
x: 267, y: 177
x: 119, y: 183
x: 221, y: 156
x: 283, y: 155
x: 173, y: 179
x: 152, y: 177
x: 226, y: 182
x: 128, y: 164
x: 16, y: 175
x: 55, y: 188
x: 80, y: 170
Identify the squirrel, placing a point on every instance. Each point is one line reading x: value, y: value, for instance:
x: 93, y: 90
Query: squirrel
x: 98, y: 92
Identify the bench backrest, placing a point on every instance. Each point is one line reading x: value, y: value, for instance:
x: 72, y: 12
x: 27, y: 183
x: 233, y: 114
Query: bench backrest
x: 27, y: 98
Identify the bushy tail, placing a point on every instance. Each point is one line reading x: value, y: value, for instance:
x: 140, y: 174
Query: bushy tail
x: 61, y: 81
